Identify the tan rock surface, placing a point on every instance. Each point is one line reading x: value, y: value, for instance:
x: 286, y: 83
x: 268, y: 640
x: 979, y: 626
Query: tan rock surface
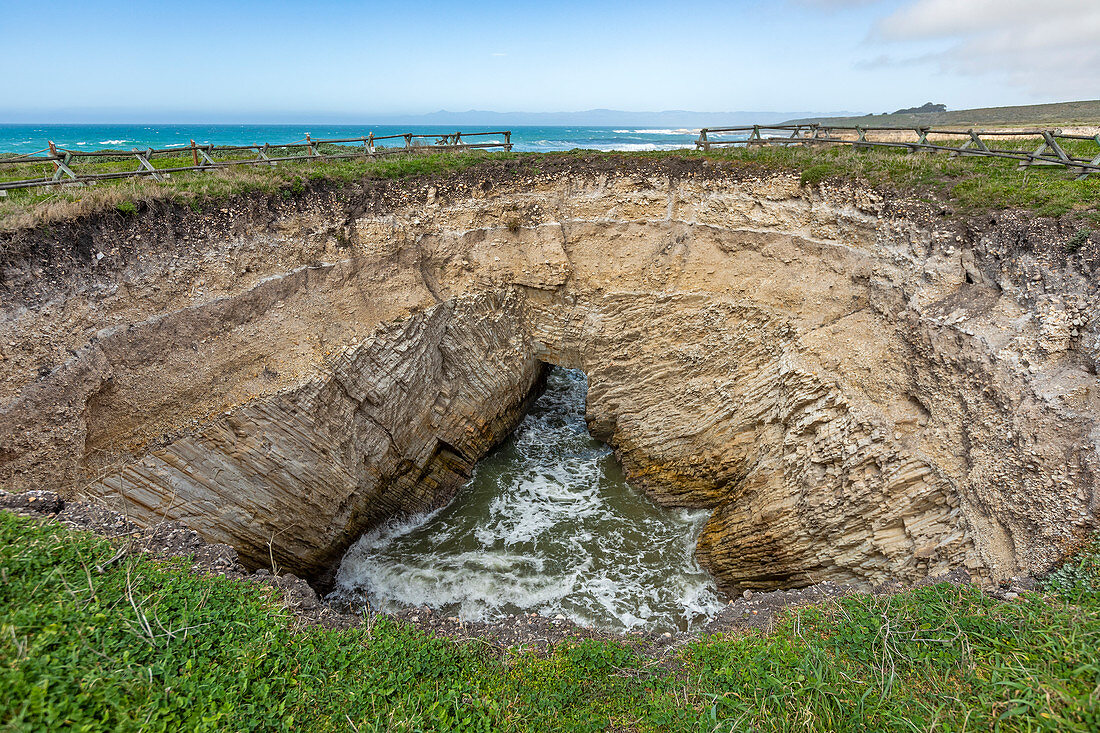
x: 858, y: 393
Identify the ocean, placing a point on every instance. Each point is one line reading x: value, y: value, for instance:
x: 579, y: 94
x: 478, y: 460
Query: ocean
x: 28, y: 139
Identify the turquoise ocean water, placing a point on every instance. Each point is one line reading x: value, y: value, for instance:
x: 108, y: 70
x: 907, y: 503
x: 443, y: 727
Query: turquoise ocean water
x: 27, y: 139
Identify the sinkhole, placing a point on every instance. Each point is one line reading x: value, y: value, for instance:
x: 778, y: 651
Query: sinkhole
x: 546, y: 524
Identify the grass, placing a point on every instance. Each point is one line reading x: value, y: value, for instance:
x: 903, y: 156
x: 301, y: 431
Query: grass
x: 970, y: 185
x: 966, y: 185
x: 140, y: 645
x: 199, y: 190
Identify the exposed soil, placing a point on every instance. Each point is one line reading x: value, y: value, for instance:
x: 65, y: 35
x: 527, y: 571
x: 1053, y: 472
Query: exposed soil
x: 757, y: 611
x: 50, y: 257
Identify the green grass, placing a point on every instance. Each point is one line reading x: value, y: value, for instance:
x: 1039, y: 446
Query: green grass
x: 202, y: 189
x: 965, y: 185
x: 148, y: 646
x: 969, y: 185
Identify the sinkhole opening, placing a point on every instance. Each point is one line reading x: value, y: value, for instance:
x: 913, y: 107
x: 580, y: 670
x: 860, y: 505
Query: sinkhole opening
x: 546, y: 524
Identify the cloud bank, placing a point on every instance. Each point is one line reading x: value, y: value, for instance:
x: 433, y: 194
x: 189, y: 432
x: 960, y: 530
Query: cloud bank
x: 1051, y: 48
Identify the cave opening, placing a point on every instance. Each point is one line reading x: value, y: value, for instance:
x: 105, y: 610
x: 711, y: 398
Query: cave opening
x: 546, y: 524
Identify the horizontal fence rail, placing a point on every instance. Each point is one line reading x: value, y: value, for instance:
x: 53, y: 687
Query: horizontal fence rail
x: 1049, y: 151
x: 64, y: 163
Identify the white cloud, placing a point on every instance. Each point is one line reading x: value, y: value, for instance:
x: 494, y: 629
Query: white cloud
x: 1049, y: 47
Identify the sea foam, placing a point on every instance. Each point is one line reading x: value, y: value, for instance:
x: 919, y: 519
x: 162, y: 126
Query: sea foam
x: 547, y: 524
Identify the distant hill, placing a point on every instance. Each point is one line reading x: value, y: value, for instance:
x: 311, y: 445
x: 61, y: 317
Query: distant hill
x: 926, y: 108
x: 1062, y: 113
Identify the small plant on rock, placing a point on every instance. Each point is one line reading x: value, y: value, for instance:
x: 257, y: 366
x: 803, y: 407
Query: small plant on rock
x: 1078, y: 240
x: 1078, y: 579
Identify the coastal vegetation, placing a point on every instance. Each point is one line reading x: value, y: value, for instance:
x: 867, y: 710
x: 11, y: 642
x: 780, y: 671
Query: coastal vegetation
x: 1032, y: 115
x: 92, y: 639
x: 963, y: 185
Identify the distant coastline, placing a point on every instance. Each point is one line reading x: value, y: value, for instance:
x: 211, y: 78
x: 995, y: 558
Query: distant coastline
x: 481, y: 118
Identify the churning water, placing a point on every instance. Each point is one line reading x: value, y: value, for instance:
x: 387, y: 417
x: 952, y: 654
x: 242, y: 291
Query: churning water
x: 546, y: 524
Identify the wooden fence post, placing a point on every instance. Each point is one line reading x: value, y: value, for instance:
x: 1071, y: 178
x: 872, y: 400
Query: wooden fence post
x: 56, y: 164
x: 1053, y: 145
x: 143, y: 161
x: 978, y: 142
x: 61, y: 166
x: 1085, y: 172
x: 194, y: 153
x: 961, y: 150
x: 1031, y: 159
x: 204, y: 152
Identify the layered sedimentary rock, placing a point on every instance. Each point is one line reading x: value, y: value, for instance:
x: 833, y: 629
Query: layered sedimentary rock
x: 857, y: 390
x: 392, y: 425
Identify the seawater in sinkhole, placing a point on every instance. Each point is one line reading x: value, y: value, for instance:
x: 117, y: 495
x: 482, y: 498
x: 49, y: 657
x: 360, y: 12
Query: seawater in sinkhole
x: 546, y: 524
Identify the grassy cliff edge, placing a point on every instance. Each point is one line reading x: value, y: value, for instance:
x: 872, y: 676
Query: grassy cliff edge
x: 93, y: 639
x: 967, y: 185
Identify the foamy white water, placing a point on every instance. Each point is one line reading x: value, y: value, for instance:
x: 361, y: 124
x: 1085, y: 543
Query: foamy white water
x: 547, y: 524
x: 28, y: 139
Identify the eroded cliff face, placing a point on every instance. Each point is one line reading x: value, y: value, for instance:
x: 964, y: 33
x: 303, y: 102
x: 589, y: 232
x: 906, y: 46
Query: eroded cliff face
x: 857, y: 391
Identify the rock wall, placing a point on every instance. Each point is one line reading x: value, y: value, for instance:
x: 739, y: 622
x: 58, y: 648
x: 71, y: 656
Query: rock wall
x: 858, y: 389
x: 393, y: 425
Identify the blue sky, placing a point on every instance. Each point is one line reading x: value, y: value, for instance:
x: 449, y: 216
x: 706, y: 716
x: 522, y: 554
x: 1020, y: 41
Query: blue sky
x: 239, y: 60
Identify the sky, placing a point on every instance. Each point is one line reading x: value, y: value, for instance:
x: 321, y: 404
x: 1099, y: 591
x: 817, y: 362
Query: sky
x: 331, y: 60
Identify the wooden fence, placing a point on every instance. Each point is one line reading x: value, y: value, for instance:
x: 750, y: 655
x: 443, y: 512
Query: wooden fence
x: 65, y: 163
x: 1049, y: 151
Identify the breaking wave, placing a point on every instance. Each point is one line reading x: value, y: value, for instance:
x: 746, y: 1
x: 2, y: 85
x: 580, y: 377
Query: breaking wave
x: 546, y: 524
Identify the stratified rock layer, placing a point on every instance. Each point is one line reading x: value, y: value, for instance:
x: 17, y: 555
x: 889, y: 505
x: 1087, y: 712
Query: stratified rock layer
x: 857, y: 392
x: 393, y: 425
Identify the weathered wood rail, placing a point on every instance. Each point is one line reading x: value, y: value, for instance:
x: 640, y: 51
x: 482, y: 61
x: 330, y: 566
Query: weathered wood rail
x: 64, y: 163
x: 1049, y: 151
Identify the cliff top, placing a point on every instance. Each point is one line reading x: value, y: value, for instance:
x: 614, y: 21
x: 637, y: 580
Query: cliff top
x: 963, y: 185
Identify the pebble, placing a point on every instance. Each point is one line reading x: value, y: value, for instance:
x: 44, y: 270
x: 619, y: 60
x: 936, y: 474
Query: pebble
x: 1010, y: 596
x: 747, y: 595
